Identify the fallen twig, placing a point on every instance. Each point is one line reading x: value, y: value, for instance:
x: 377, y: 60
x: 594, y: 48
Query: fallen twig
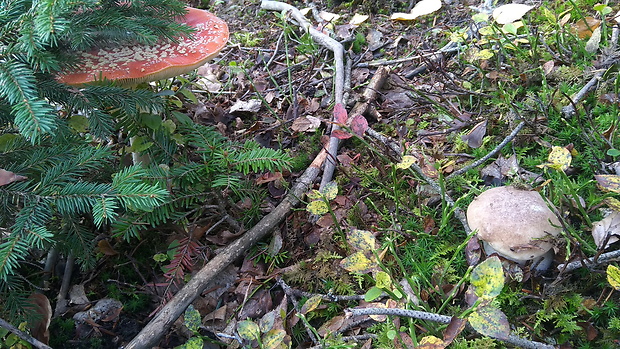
x: 338, y: 50
x: 569, y: 110
x: 492, y: 153
x: 157, y: 327
x: 288, y: 291
x: 23, y: 335
x: 444, y: 319
x: 590, y: 262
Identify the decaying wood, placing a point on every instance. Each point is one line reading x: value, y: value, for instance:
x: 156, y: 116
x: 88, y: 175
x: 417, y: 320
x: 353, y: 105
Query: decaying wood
x: 159, y: 325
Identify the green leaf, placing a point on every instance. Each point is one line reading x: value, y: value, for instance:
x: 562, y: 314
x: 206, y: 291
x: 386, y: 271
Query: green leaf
x: 182, y: 118
x: 192, y: 319
x: 613, y: 276
x: 487, y: 278
x: 383, y: 280
x: 330, y: 190
x: 613, y: 152
x: 192, y: 343
x: 317, y: 207
x: 247, y: 329
x: 152, y: 121
x: 79, y: 123
x: 372, y: 294
x: 490, y: 321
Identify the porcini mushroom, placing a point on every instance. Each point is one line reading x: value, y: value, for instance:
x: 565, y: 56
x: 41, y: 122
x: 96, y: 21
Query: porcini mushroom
x: 517, y: 224
x: 131, y: 65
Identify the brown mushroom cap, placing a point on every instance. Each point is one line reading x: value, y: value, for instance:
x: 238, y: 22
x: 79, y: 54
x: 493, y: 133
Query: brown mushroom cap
x: 131, y: 65
x: 518, y: 224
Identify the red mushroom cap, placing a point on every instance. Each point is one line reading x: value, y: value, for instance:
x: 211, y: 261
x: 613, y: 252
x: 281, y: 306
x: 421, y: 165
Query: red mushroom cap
x: 131, y: 65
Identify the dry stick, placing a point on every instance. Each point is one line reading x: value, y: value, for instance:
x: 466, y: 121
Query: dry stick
x: 61, y: 303
x: 493, y: 152
x: 159, y: 325
x: 338, y: 50
x: 370, y: 92
x: 569, y: 110
x: 589, y: 262
x: 23, y: 335
x: 288, y: 291
x: 512, y: 339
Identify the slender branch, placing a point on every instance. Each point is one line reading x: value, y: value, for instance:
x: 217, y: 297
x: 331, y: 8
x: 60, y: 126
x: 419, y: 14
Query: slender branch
x: 569, y: 110
x: 159, y: 325
x: 23, y: 335
x: 492, y: 153
x: 444, y: 319
x: 334, y: 46
x: 590, y: 262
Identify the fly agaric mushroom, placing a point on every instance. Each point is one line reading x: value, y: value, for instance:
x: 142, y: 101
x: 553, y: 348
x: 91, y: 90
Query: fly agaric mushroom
x: 515, y: 223
x: 131, y: 65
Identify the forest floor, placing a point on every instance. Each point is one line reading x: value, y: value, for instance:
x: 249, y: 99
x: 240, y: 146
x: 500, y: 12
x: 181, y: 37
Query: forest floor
x: 390, y: 230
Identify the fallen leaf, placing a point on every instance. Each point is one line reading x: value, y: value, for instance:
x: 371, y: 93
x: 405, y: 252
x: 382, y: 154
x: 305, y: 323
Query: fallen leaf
x: 341, y: 134
x: 548, y: 67
x: 593, y: 43
x: 586, y: 26
x: 269, y: 177
x: 406, y: 162
x: 431, y: 342
x: 613, y: 276
x: 8, y: 177
x: 559, y: 159
x: 359, y: 125
x: 510, y: 13
x: 340, y: 114
x: 358, y: 19
x: 475, y: 136
x: 456, y: 326
x: 39, y: 328
x: 422, y: 8
x: 607, y: 227
x: 490, y: 321
x: 328, y: 16
x: 608, y: 182
x: 251, y: 106
x: 105, y: 248
x: 306, y: 124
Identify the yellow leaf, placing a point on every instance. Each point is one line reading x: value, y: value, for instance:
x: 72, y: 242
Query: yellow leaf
x: 358, y: 19
x: 613, y: 276
x: 357, y: 263
x: 406, y: 162
x: 487, y: 278
x: 317, y: 207
x: 612, y: 203
x: 431, y: 342
x: 559, y: 159
x: 330, y: 190
x: 608, y: 182
x: 361, y: 240
x: 311, y: 304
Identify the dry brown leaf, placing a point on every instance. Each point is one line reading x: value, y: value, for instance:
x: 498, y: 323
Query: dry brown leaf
x: 609, y: 226
x: 8, y: 177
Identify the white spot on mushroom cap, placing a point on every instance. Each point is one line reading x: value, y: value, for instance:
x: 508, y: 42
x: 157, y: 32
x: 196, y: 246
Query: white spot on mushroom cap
x: 516, y: 223
x: 138, y: 63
